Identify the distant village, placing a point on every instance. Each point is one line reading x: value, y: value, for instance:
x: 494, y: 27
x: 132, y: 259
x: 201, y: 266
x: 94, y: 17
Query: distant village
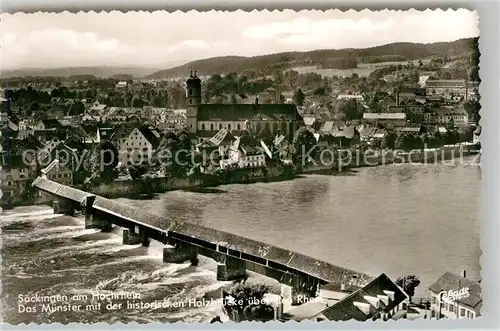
x: 404, y: 109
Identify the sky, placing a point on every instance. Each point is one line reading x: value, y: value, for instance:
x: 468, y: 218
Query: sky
x: 159, y: 39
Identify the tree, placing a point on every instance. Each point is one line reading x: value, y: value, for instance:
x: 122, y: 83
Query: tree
x: 278, y: 78
x: 76, y: 108
x: 136, y: 171
x: 474, y: 75
x: 174, y: 153
x: 401, y: 142
x: 435, y: 140
x: 303, y: 142
x: 291, y: 77
x: 137, y: 102
x: 408, y: 284
x: 34, y: 107
x: 320, y: 91
x: 232, y: 99
x: 466, y: 133
x: 450, y: 126
x: 251, y: 296
x: 299, y: 97
x: 109, y: 156
x: 352, y: 111
x: 452, y: 137
x: 388, y: 141
x: 472, y: 108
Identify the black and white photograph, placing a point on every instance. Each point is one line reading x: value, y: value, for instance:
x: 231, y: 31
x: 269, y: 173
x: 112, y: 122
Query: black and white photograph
x: 230, y: 166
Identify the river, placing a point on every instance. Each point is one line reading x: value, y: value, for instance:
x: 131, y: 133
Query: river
x: 397, y: 219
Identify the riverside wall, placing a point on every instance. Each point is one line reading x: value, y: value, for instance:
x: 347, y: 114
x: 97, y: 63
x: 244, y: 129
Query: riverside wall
x: 124, y: 188
x: 358, y: 159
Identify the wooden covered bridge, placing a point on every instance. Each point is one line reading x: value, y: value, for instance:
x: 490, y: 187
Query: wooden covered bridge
x: 184, y: 241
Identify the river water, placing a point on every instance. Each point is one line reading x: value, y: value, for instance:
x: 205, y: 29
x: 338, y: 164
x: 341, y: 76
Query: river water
x: 396, y: 219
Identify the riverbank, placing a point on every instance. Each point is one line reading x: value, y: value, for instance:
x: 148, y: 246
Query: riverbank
x: 358, y: 159
x: 342, y: 166
x: 148, y: 187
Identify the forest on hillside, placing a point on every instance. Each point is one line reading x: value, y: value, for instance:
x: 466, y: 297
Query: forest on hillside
x: 321, y: 58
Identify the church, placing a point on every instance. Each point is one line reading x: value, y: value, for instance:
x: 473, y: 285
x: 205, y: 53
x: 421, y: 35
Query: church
x: 263, y: 120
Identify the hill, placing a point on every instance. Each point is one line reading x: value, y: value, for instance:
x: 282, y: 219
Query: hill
x: 103, y: 72
x: 352, y: 56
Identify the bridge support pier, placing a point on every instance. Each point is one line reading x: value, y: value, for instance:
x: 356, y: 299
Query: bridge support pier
x: 300, y: 296
x: 88, y: 218
x: 63, y: 206
x: 232, y: 269
x: 299, y: 288
x: 94, y: 222
x: 179, y: 254
x: 101, y: 224
x: 132, y: 238
x: 296, y: 295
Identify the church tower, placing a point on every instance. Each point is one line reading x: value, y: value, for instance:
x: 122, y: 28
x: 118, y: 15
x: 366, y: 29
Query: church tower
x: 193, y: 99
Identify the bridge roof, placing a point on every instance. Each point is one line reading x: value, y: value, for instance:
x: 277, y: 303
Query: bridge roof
x: 46, y: 185
x: 305, y: 264
x: 60, y: 190
x: 137, y: 215
x: 308, y: 265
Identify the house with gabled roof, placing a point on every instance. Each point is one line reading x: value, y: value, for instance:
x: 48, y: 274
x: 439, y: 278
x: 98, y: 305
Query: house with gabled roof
x: 59, y: 163
x: 380, y: 298
x: 217, y: 145
x: 139, y: 146
x: 244, y: 152
x: 456, y: 297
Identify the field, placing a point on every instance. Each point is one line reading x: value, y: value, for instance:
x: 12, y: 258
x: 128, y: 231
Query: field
x: 334, y: 72
x: 363, y: 69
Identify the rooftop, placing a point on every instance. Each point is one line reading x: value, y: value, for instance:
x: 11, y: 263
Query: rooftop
x: 385, y: 116
x: 242, y: 112
x: 450, y: 281
x: 381, y: 289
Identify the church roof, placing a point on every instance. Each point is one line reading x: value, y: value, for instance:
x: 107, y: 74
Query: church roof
x: 242, y: 112
x: 193, y: 78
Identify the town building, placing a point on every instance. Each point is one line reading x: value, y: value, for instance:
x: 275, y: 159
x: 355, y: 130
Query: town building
x: 244, y: 152
x: 122, y: 85
x: 354, y: 96
x: 280, y: 148
x: 217, y: 146
x: 408, y: 129
x: 380, y: 298
x: 139, y: 146
x: 14, y: 177
x: 477, y: 134
x: 263, y: 119
x: 59, y: 169
x: 47, y: 125
x: 309, y: 121
x: 385, y: 119
x: 414, y: 112
x: 444, y: 115
x: 455, y: 297
x: 459, y: 87
x: 423, y: 76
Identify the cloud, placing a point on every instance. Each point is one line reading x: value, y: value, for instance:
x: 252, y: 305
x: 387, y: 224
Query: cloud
x: 412, y: 26
x: 56, y: 46
x: 143, y: 38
